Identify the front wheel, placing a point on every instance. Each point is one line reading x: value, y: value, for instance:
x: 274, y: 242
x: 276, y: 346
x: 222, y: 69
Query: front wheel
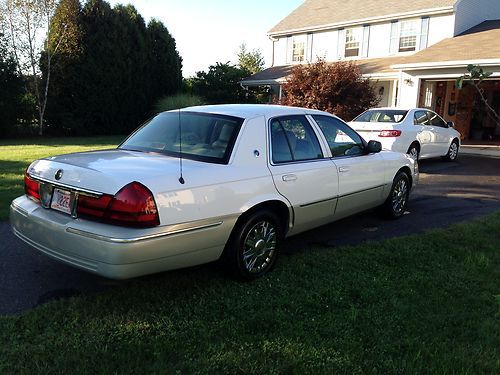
x: 452, y: 151
x: 397, y: 201
x: 252, y: 249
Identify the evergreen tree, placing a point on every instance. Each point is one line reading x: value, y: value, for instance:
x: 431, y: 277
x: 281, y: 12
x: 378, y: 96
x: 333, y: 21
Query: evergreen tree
x: 120, y: 68
x: 11, y: 87
x: 252, y: 61
x: 165, y: 64
x: 65, y: 80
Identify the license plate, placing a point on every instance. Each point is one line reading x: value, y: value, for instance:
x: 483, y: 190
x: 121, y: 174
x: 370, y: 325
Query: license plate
x: 61, y: 200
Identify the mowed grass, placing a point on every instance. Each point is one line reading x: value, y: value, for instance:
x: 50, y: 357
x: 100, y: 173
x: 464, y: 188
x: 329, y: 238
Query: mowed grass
x: 419, y: 304
x: 16, y: 155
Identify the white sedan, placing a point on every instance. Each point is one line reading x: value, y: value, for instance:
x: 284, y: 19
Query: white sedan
x: 419, y: 132
x: 225, y: 182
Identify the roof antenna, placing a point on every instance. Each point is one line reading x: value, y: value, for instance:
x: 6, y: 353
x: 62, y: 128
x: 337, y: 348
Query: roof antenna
x: 181, y: 179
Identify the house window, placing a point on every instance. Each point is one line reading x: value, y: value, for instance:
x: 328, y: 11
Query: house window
x: 298, y: 50
x: 352, y: 38
x: 408, y: 35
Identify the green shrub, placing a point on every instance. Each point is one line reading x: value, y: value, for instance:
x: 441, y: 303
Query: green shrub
x: 177, y: 101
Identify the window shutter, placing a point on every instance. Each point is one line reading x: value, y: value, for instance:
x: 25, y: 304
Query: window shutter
x: 366, y: 39
x: 309, y: 46
x: 394, y: 46
x: 341, y: 44
x: 289, y: 48
x: 424, y: 32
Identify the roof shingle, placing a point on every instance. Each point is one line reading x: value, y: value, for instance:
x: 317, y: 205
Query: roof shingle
x: 316, y: 13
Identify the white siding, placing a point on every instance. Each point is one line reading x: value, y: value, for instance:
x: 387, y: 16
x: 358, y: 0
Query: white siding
x: 380, y: 37
x: 469, y: 13
x: 325, y: 45
x: 440, y: 27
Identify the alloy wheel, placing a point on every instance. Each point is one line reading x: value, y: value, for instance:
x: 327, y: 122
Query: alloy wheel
x: 399, y: 196
x: 259, y: 247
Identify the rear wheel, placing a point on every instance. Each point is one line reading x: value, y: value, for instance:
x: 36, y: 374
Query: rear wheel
x: 397, y: 201
x: 413, y: 151
x: 452, y: 151
x: 252, y: 249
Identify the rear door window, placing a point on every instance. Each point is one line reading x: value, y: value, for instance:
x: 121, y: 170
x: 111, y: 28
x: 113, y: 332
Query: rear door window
x: 421, y: 118
x: 293, y: 139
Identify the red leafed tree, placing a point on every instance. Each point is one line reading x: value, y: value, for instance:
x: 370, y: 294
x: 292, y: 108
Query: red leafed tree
x: 338, y: 88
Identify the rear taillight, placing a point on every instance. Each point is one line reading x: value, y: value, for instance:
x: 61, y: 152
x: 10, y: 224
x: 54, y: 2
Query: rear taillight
x: 31, y: 187
x: 133, y: 206
x: 389, y: 133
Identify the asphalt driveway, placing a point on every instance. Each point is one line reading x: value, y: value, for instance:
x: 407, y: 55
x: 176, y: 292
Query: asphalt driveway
x: 447, y: 193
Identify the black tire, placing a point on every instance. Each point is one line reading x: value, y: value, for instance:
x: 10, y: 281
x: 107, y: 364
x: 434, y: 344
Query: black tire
x: 452, y: 154
x: 414, y: 151
x: 249, y: 262
x: 397, y: 201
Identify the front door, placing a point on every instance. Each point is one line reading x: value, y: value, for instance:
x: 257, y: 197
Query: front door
x: 361, y: 175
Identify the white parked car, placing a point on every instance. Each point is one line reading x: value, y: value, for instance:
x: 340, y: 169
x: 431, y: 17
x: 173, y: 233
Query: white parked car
x: 204, y: 183
x: 418, y: 132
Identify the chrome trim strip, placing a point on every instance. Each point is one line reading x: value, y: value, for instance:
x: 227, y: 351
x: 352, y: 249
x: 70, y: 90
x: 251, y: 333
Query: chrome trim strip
x: 65, y: 186
x: 141, y: 238
x: 362, y: 191
x: 321, y: 201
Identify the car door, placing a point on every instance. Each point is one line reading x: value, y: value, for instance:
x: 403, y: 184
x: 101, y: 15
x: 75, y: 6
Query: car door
x: 441, y: 132
x: 361, y: 175
x: 425, y: 136
x: 301, y: 172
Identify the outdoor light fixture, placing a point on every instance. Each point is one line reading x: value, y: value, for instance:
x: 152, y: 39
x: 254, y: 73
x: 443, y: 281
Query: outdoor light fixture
x: 408, y: 82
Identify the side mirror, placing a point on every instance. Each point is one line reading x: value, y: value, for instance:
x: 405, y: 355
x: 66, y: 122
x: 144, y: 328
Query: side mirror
x: 373, y: 147
x: 451, y: 124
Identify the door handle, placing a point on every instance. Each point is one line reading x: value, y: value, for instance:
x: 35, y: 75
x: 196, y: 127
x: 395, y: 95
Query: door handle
x: 289, y: 177
x: 343, y: 169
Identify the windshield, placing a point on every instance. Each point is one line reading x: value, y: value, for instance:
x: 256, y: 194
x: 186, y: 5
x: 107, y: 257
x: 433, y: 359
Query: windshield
x: 382, y: 115
x: 202, y: 136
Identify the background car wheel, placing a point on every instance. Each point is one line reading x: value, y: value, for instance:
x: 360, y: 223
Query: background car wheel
x: 413, y: 151
x: 397, y: 201
x: 452, y: 152
x: 253, y: 246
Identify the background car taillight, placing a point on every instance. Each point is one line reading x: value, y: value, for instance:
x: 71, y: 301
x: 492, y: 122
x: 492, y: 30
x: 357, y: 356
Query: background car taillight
x: 133, y: 206
x: 31, y: 187
x: 389, y: 133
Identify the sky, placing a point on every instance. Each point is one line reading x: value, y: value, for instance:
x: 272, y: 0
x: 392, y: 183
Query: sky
x: 210, y: 31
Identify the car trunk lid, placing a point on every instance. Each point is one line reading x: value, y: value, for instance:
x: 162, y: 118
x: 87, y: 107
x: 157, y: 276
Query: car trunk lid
x: 105, y: 171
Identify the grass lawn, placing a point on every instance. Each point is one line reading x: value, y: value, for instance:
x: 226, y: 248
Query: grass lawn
x: 419, y: 304
x: 16, y: 155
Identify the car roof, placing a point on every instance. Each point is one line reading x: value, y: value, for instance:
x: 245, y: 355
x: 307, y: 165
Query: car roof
x: 252, y: 110
x: 400, y: 109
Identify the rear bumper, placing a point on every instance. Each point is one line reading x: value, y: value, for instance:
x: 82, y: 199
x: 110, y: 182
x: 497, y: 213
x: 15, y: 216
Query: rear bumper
x: 118, y: 252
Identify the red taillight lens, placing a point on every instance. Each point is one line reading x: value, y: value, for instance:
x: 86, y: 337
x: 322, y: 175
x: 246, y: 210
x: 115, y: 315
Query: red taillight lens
x: 389, y: 133
x: 31, y: 187
x: 90, y: 206
x: 133, y: 205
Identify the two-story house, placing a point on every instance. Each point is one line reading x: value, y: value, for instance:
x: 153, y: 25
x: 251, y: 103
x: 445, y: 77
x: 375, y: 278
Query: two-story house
x: 413, y: 51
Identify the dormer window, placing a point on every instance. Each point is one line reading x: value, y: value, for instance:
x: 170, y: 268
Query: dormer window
x: 298, y: 50
x: 408, y: 33
x: 352, y: 42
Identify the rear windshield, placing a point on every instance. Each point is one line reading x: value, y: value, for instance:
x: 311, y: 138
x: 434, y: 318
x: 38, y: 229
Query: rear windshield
x: 200, y: 136
x: 381, y: 115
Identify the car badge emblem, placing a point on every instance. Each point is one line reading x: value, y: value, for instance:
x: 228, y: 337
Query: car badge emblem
x: 59, y: 174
